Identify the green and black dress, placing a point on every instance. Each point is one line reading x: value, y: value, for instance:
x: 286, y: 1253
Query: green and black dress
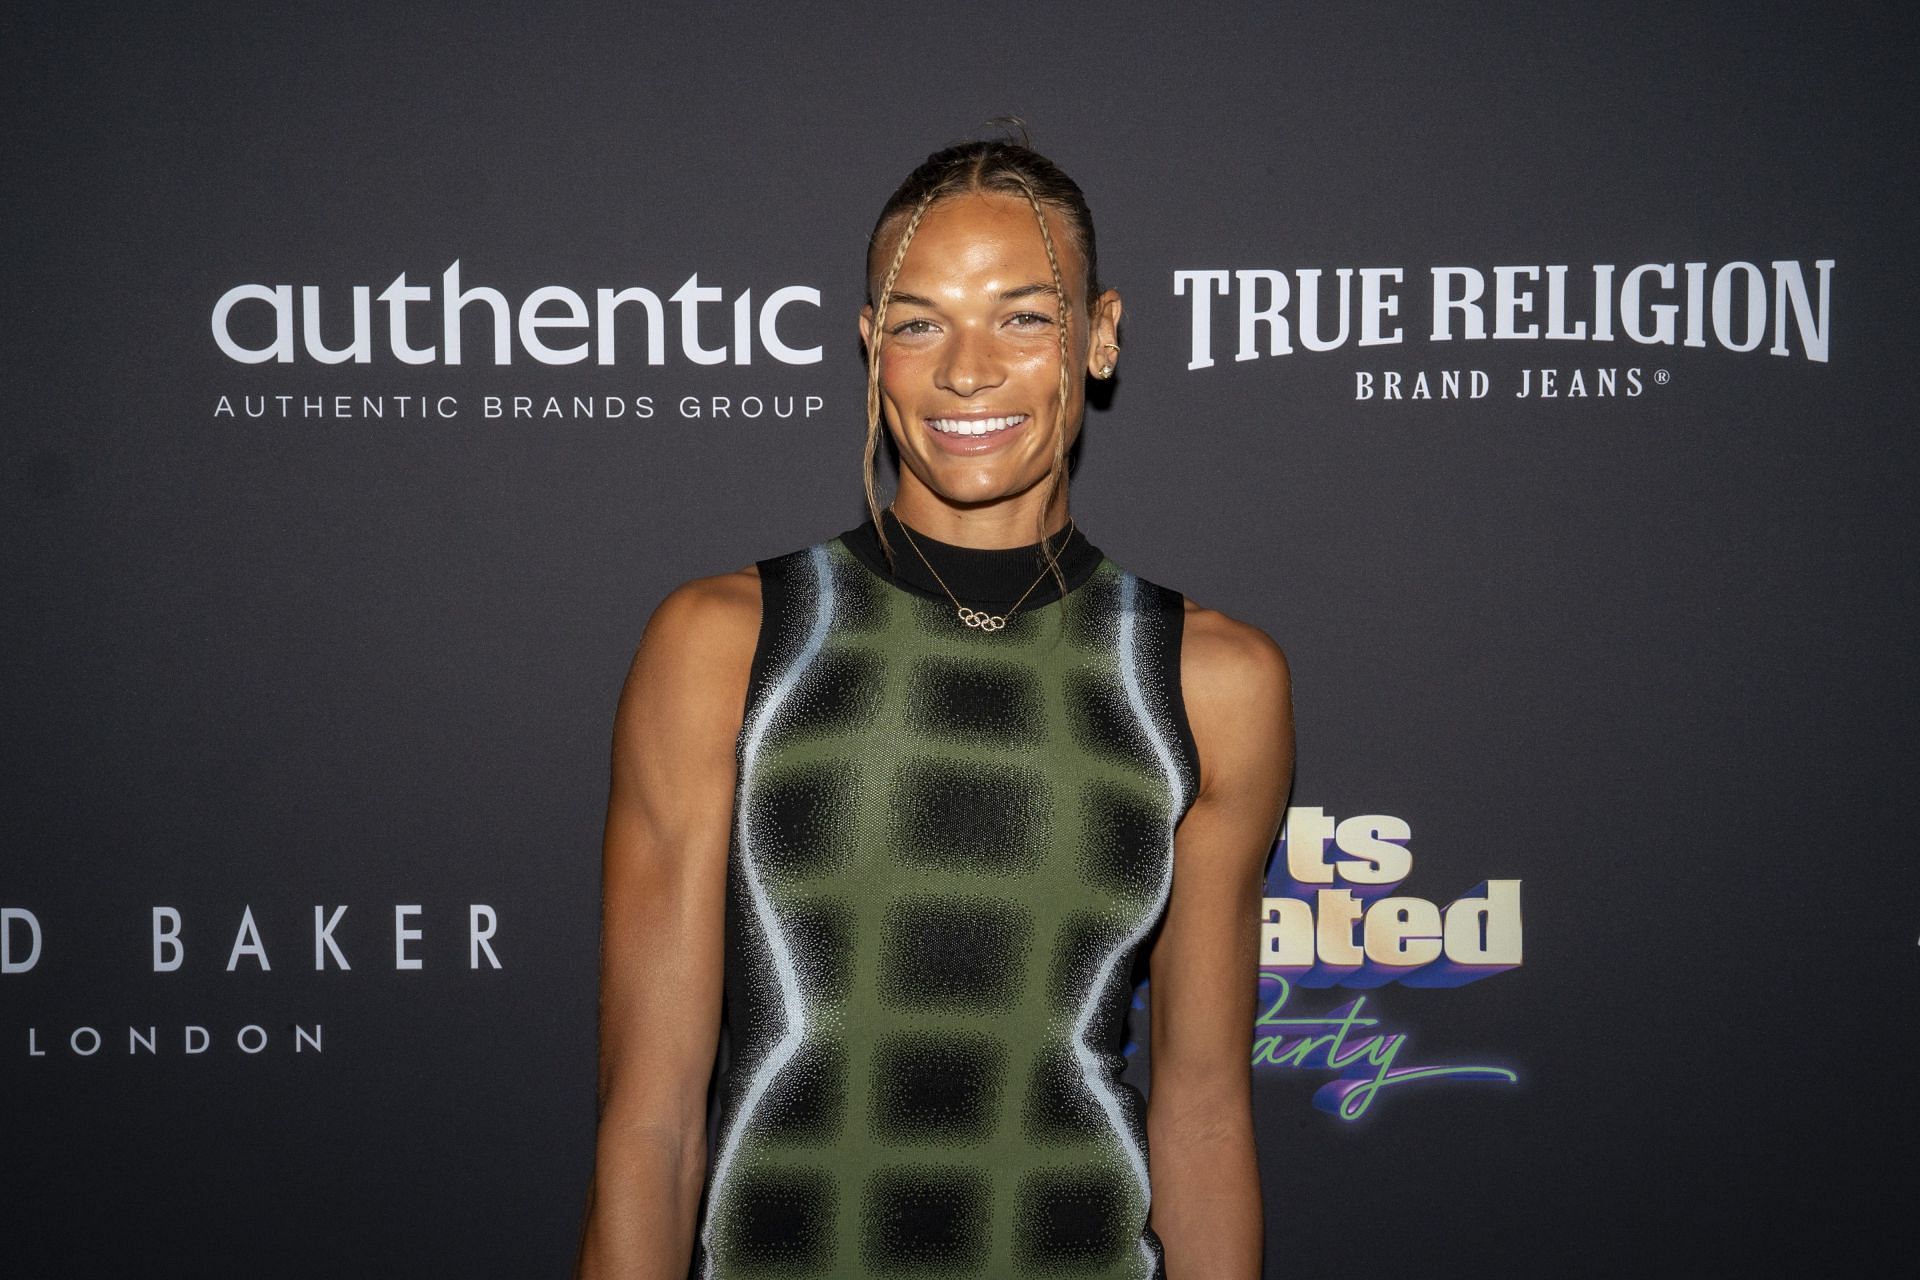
x: 949, y: 848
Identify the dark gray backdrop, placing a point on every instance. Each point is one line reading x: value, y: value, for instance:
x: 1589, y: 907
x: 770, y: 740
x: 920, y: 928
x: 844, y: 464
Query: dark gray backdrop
x: 1649, y: 655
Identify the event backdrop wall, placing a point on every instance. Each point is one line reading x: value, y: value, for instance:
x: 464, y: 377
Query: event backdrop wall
x: 1539, y: 376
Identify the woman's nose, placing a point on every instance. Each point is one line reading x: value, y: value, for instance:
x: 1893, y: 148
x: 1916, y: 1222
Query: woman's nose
x: 971, y: 364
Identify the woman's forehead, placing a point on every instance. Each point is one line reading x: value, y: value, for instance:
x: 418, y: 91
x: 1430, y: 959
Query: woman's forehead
x: 976, y: 235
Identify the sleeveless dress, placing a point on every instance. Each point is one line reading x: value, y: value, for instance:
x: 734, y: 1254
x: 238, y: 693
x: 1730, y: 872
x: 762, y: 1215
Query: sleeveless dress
x: 949, y: 847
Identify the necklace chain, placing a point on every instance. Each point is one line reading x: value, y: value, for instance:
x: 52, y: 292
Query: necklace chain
x: 980, y: 618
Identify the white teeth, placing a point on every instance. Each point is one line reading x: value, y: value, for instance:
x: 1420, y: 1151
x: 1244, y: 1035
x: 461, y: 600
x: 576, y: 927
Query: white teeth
x: 974, y: 426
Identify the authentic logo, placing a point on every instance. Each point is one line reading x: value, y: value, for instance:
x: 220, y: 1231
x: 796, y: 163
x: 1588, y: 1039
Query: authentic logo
x: 1332, y: 918
x: 432, y: 324
x: 1737, y: 306
x: 25, y: 945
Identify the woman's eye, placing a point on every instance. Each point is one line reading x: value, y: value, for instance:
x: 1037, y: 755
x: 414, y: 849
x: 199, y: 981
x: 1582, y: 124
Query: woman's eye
x: 1028, y: 319
x: 911, y: 327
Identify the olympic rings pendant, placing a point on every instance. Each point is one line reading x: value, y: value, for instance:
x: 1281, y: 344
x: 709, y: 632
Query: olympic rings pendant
x: 980, y: 619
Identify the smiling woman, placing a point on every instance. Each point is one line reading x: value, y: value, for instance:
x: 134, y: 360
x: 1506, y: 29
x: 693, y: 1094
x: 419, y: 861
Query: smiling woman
x: 977, y: 327
x: 906, y: 806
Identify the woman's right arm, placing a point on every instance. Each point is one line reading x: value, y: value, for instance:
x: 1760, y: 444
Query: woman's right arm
x: 663, y: 888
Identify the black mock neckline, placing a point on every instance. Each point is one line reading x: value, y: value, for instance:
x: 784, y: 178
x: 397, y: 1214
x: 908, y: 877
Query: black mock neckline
x: 976, y: 575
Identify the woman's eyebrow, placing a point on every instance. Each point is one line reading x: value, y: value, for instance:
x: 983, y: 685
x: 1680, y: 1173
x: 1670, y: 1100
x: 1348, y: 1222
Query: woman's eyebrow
x: 901, y: 297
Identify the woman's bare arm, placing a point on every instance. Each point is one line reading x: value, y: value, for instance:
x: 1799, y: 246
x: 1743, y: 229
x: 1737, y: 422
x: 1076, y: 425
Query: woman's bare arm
x: 664, y: 863
x: 1202, y: 982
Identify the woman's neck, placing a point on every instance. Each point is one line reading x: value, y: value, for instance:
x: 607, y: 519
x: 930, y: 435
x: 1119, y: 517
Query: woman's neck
x: 988, y: 527
x: 930, y: 566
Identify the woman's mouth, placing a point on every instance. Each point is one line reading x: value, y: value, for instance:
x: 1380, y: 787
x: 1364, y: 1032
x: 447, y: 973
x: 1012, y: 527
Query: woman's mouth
x: 963, y: 427
x: 980, y: 434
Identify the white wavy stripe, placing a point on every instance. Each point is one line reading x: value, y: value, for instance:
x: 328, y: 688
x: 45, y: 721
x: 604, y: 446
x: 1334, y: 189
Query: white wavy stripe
x: 790, y: 998
x: 1109, y: 1101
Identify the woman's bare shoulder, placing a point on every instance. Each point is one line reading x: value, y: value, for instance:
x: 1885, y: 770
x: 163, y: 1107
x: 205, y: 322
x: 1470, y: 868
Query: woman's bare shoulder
x: 1238, y: 691
x: 1218, y: 652
x: 702, y: 635
x: 723, y: 606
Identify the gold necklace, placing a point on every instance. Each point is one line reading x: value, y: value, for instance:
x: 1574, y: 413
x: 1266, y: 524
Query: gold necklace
x: 980, y: 618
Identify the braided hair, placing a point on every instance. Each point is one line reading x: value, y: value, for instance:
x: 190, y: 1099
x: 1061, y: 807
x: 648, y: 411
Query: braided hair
x: 1006, y: 167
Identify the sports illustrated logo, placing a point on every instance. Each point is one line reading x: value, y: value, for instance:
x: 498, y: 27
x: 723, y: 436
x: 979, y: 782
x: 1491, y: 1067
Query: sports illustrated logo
x: 26, y: 944
x: 1737, y: 306
x: 434, y: 323
x: 1332, y: 918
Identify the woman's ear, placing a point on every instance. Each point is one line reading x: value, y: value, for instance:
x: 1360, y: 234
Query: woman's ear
x: 1103, y: 340
x: 866, y: 325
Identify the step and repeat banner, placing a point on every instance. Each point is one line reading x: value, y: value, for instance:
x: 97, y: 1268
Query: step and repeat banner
x: 1538, y: 376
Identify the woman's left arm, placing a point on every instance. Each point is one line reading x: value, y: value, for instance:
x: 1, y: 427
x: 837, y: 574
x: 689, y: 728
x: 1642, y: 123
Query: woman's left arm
x: 1203, y: 977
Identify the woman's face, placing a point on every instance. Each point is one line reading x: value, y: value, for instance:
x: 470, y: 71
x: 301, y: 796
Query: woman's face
x: 970, y: 360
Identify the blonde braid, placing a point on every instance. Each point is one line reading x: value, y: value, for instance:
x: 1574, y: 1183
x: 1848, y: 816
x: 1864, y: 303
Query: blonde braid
x: 873, y: 368
x: 1056, y: 476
